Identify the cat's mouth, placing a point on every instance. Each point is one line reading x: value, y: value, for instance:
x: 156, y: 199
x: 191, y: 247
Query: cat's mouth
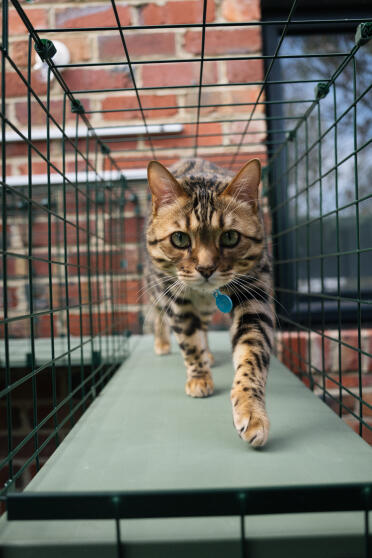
x: 209, y: 284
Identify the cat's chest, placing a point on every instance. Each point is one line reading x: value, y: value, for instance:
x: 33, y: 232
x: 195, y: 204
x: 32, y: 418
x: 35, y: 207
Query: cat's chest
x: 203, y: 301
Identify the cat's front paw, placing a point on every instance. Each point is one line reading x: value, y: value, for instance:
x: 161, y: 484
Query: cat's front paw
x: 200, y: 387
x: 161, y: 347
x: 250, y: 420
x: 211, y: 358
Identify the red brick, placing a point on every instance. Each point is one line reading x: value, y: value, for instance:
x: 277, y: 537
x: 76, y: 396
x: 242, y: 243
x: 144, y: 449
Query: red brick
x: 12, y: 296
x: 367, y: 409
x: 244, y: 71
x: 348, y: 402
x: 295, y: 351
x: 238, y: 128
x: 80, y: 48
x: 248, y: 95
x: 104, y: 323
x: 72, y: 167
x: 18, y: 51
x: 92, y: 16
x: 40, y: 233
x: 349, y: 380
x: 101, y: 263
x: 176, y: 74
x: 131, y: 227
x: 242, y: 98
x: 38, y: 115
x: 16, y: 267
x: 83, y: 298
x: 126, y: 102
x: 15, y: 87
x: 212, y: 131
x: 123, y: 145
x: 16, y: 149
x: 176, y: 13
x: 132, y: 258
x: 224, y: 41
x: 140, y: 162
x: 37, y: 16
x: 43, y: 328
x: 241, y: 10
x: 38, y: 167
x: 128, y: 292
x: 111, y: 48
x: 81, y: 79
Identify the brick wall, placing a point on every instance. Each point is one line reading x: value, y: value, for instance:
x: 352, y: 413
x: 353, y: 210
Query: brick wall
x: 218, y: 137
x: 328, y: 362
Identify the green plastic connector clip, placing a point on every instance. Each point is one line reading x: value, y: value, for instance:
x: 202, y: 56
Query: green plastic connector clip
x: 100, y: 198
x: 363, y: 33
x: 104, y: 149
x: 321, y: 90
x: 45, y: 49
x: 77, y: 107
x: 123, y: 181
x: 292, y: 134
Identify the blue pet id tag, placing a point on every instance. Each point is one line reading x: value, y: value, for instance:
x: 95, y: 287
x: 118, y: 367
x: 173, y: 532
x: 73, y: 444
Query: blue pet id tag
x: 223, y: 302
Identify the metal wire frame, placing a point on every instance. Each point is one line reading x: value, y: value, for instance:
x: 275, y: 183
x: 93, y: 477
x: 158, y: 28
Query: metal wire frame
x: 319, y: 316
x: 282, y: 144
x: 89, y: 358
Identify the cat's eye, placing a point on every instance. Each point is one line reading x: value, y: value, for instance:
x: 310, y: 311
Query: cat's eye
x: 180, y: 240
x: 229, y: 239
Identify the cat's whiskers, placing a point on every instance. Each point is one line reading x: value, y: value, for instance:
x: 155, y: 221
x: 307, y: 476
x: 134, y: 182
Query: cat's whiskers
x: 252, y: 290
x: 265, y: 284
x: 159, y: 297
x: 180, y: 288
x: 157, y: 281
x: 250, y: 293
x: 153, y: 284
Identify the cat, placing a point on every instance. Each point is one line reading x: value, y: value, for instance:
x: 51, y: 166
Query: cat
x: 205, y: 234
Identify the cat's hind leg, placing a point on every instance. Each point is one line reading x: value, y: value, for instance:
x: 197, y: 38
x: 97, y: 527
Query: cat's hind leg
x: 161, y: 333
x: 205, y: 321
x: 210, y: 355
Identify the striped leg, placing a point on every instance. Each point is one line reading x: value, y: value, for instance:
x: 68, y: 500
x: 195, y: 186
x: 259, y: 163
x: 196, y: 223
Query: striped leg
x: 192, y: 341
x: 206, y: 319
x: 252, y: 341
x: 161, y: 333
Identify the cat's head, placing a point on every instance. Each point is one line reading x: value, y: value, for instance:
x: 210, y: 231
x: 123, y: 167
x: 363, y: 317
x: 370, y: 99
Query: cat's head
x: 205, y: 235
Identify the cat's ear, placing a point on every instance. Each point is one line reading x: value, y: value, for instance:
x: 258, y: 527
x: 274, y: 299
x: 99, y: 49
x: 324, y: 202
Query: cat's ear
x: 164, y: 187
x: 244, y: 186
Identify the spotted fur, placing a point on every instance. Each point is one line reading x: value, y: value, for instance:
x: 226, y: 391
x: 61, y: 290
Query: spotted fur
x: 202, y: 200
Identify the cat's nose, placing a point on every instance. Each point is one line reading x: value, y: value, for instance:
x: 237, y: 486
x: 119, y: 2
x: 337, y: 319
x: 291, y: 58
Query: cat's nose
x: 206, y: 272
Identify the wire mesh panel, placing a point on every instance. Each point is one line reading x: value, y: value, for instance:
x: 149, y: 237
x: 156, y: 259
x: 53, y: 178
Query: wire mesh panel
x: 165, y: 81
x: 64, y: 237
x: 321, y: 210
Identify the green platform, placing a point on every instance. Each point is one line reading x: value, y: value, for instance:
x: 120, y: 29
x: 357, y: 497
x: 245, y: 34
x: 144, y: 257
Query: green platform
x: 144, y: 433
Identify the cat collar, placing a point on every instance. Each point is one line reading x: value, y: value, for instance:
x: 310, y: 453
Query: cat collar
x: 223, y: 302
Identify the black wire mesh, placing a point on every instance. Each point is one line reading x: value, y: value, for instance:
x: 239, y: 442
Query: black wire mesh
x: 83, y: 244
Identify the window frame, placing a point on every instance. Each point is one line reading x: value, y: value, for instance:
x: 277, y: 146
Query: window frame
x: 297, y: 306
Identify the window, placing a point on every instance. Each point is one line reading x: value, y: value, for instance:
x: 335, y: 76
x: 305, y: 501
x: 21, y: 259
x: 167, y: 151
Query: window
x: 322, y: 203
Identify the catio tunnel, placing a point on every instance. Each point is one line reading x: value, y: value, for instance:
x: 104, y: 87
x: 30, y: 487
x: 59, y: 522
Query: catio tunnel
x: 97, y: 456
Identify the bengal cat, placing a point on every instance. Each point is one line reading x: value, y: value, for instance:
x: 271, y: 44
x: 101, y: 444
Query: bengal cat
x: 205, y: 235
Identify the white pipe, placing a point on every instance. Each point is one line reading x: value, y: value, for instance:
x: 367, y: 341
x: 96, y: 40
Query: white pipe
x: 80, y: 177
x: 39, y: 134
